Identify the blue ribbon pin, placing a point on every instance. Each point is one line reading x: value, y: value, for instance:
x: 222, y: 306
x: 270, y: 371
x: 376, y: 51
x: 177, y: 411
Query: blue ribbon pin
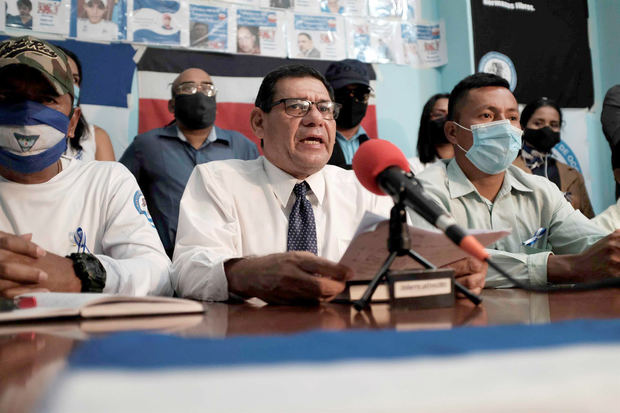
x: 537, y: 235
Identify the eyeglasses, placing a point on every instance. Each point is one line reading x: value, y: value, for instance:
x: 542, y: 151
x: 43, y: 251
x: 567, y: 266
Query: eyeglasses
x: 190, y: 88
x: 300, y: 107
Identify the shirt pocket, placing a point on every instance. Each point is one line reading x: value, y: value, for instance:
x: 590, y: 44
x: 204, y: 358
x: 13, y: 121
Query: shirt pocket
x: 535, y: 250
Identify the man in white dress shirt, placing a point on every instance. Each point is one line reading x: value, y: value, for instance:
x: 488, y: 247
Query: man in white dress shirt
x: 237, y: 217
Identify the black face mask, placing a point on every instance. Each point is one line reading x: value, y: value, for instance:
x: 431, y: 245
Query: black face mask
x: 435, y: 130
x: 352, y: 112
x: 195, y: 111
x: 543, y: 139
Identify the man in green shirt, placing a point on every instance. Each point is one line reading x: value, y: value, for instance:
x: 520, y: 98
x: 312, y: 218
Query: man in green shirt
x: 550, y: 242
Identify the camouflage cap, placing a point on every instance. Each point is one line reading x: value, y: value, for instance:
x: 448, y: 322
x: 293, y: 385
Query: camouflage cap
x: 41, y: 55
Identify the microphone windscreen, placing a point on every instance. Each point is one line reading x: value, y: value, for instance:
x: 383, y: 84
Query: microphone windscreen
x: 373, y: 157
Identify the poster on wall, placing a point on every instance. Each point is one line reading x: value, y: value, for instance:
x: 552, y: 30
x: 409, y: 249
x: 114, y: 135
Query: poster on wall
x: 373, y: 40
x: 412, y: 10
x: 48, y: 16
x: 99, y: 19
x: 432, y: 48
x: 308, y: 6
x: 208, y: 28
x: 277, y: 4
x: 409, y: 38
x: 543, y: 43
x: 316, y: 37
x: 247, y: 3
x: 259, y: 32
x: 2, y: 19
x: 158, y: 22
x: 387, y: 8
x: 344, y: 7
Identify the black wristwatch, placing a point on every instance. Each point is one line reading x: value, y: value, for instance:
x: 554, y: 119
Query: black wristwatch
x: 90, y: 272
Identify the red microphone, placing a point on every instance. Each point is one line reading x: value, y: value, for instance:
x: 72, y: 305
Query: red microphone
x: 374, y: 157
x: 383, y: 169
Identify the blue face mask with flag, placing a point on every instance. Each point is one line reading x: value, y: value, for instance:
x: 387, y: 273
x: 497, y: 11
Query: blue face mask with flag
x: 32, y: 136
x: 496, y: 145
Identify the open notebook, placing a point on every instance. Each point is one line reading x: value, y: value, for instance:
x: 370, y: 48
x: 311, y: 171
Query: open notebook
x: 90, y: 305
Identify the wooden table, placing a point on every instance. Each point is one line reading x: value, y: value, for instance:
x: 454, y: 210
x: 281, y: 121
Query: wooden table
x: 33, y: 355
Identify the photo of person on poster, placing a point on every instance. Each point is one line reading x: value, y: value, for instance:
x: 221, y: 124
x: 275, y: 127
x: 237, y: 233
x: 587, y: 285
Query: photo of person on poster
x: 94, y: 20
x: 22, y: 20
x: 331, y: 6
x: 198, y: 34
x: 247, y: 40
x: 280, y: 4
x: 166, y: 20
x: 306, y: 46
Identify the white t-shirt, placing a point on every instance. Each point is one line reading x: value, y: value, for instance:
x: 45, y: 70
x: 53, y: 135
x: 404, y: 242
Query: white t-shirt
x: 103, y: 199
x: 88, y: 144
x: 236, y: 208
x: 104, y: 30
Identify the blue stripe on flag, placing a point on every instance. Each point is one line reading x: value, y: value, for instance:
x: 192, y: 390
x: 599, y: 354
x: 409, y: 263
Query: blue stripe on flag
x: 151, y: 351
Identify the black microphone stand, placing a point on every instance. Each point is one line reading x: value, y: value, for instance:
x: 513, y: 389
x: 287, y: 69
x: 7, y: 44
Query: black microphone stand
x: 399, y: 244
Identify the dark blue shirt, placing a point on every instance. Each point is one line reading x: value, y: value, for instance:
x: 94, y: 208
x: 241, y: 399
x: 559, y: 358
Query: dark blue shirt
x: 162, y: 164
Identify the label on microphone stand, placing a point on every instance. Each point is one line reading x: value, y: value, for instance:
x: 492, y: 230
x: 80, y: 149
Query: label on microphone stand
x: 421, y: 288
x: 409, y: 288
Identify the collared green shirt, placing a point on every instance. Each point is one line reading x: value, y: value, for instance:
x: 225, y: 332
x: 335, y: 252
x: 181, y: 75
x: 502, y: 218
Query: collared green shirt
x: 524, y: 204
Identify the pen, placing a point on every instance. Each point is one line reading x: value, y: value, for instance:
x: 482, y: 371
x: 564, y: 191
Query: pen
x: 19, y: 303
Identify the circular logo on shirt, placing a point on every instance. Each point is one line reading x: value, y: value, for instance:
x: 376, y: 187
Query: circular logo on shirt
x: 499, y: 64
x: 140, y: 203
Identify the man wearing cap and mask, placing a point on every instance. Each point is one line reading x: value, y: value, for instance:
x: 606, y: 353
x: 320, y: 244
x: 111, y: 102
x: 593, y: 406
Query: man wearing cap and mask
x: 550, y: 241
x: 163, y: 159
x: 65, y: 225
x: 351, y: 83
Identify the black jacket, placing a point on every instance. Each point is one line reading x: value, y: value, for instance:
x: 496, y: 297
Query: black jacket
x: 337, y: 157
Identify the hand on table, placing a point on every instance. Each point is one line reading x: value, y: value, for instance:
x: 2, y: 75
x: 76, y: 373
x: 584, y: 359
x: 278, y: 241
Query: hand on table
x: 292, y: 277
x: 25, y: 267
x: 600, y: 261
x: 471, y: 273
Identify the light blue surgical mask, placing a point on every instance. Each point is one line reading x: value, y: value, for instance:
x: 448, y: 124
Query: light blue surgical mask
x: 76, y: 95
x: 496, y: 145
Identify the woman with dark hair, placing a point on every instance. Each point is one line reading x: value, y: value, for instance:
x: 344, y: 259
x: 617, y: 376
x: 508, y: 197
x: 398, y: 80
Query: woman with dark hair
x: 541, y: 121
x: 432, y: 142
x: 90, y: 141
